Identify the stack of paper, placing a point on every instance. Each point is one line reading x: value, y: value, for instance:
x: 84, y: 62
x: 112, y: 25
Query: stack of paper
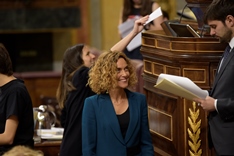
x: 180, y: 86
x: 51, y: 134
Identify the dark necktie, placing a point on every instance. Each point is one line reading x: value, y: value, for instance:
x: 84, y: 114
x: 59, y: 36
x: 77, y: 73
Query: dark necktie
x: 226, y: 53
x: 225, y: 56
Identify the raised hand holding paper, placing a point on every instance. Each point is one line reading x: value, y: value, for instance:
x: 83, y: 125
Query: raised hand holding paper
x: 154, y: 15
x: 126, y: 27
x: 180, y: 86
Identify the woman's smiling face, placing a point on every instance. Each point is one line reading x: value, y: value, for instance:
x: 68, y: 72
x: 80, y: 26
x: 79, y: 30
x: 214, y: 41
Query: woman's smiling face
x: 87, y: 57
x: 122, y: 73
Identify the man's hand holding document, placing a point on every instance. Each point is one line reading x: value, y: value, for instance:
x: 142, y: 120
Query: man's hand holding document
x: 180, y: 86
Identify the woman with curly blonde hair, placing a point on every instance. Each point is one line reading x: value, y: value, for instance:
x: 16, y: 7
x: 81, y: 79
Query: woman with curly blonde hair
x: 105, y: 69
x: 115, y: 120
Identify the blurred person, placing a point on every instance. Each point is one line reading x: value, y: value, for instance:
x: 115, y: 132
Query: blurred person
x: 71, y: 93
x: 16, y: 109
x: 115, y: 121
x: 135, y: 9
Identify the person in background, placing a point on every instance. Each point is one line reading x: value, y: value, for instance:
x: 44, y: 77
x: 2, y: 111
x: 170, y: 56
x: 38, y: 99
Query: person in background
x: 71, y: 93
x: 115, y: 120
x: 16, y: 109
x: 220, y: 102
x: 165, y: 15
x: 23, y: 151
x: 135, y: 9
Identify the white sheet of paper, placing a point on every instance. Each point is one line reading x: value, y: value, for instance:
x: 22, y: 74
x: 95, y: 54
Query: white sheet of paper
x: 126, y: 27
x: 136, y: 42
x: 185, y: 83
x: 155, y: 14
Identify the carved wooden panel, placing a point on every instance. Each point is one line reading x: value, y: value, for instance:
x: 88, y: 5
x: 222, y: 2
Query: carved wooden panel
x: 40, y: 83
x: 178, y: 126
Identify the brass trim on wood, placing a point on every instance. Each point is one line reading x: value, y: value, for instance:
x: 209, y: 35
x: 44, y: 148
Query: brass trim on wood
x: 165, y: 45
x: 150, y: 66
x: 144, y: 39
x: 145, y: 66
x: 170, y: 44
x: 155, y: 65
x: 168, y: 115
x: 194, y: 131
x: 176, y: 70
x: 195, y: 69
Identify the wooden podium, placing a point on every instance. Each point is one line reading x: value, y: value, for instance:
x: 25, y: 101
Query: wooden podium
x: 178, y: 126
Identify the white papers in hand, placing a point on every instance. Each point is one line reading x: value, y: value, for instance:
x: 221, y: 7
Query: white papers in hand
x: 155, y: 14
x: 180, y: 86
x: 125, y: 28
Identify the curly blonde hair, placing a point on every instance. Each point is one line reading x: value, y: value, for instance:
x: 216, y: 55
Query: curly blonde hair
x: 23, y: 151
x: 102, y: 76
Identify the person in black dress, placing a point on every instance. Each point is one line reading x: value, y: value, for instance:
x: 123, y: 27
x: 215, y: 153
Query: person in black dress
x: 135, y: 9
x: 71, y: 92
x: 16, y: 109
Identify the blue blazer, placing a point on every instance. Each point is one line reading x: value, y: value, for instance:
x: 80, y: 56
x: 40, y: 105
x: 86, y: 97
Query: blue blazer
x: 101, y: 134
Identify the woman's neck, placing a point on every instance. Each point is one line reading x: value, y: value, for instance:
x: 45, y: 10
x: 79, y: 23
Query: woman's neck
x: 119, y: 100
x: 4, y: 79
x: 137, y: 6
x: 117, y: 94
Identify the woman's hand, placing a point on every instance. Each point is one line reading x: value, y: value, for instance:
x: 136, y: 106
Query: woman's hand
x: 139, y: 24
x: 138, y: 27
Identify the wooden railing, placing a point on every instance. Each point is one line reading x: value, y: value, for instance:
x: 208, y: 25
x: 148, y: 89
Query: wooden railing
x: 40, y: 83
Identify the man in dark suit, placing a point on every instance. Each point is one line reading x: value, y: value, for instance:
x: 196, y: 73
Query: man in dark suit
x: 220, y: 17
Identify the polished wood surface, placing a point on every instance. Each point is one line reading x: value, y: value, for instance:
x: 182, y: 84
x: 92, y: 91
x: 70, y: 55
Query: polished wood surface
x: 49, y: 148
x: 178, y: 126
x: 40, y: 84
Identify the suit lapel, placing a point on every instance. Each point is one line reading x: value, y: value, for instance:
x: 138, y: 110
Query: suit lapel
x: 221, y: 70
x: 110, y: 117
x: 133, y: 115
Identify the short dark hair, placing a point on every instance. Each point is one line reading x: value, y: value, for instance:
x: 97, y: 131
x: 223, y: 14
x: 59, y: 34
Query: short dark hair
x: 5, y: 61
x: 219, y: 10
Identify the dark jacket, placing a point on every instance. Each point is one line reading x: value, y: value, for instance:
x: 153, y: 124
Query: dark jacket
x: 222, y: 122
x: 101, y: 131
x: 72, y: 114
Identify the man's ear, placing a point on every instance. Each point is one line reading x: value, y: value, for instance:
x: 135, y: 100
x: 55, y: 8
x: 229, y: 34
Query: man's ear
x: 230, y: 21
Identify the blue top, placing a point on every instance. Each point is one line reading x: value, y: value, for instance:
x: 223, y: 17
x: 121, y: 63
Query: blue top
x: 101, y: 133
